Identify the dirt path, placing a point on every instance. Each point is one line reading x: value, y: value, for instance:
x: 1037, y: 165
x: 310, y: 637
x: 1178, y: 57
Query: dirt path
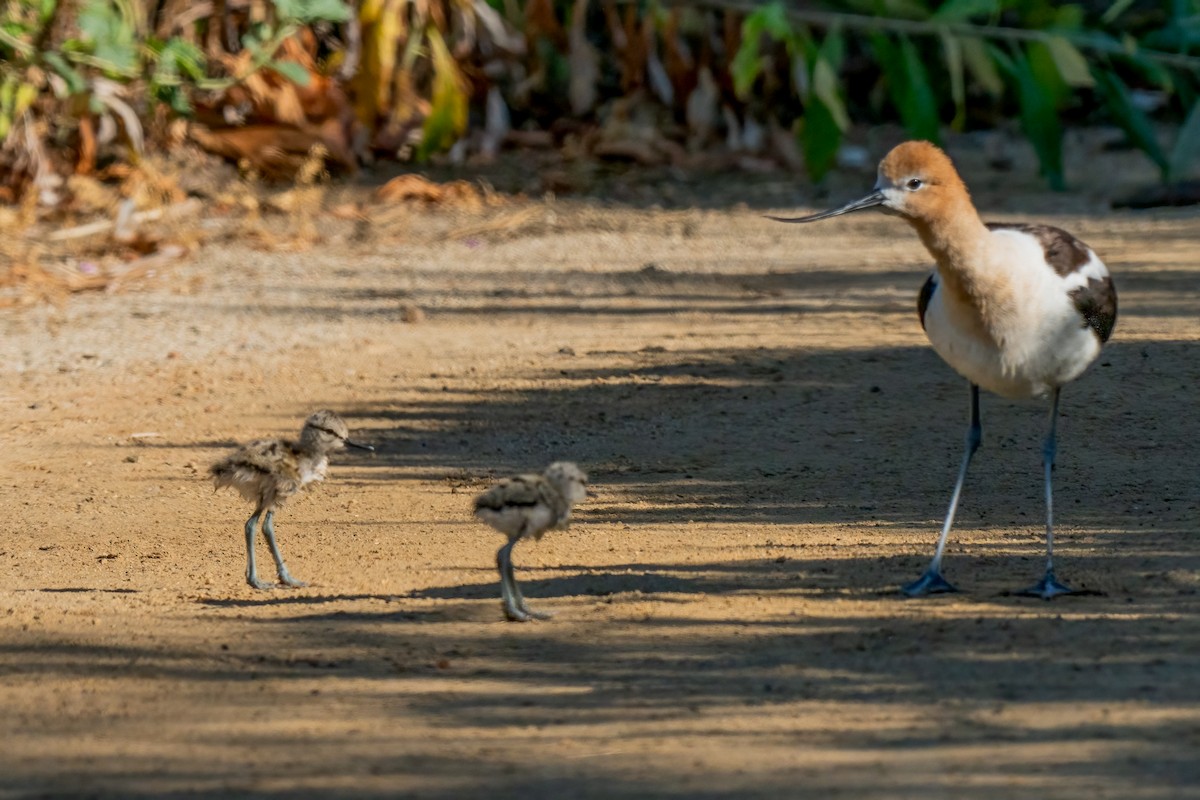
x: 771, y: 443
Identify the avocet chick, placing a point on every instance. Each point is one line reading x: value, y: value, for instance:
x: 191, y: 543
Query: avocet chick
x: 269, y: 471
x: 528, y: 505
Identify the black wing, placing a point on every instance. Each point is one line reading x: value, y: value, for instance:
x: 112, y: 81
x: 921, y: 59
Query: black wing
x: 926, y: 295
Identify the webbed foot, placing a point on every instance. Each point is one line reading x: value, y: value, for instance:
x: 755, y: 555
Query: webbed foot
x: 1047, y: 588
x: 932, y: 582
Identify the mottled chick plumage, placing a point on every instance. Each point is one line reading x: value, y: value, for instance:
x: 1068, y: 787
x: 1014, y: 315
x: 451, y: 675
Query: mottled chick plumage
x: 527, y: 506
x: 267, y: 472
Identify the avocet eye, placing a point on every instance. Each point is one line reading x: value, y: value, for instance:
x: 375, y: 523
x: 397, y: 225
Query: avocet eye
x: 914, y: 184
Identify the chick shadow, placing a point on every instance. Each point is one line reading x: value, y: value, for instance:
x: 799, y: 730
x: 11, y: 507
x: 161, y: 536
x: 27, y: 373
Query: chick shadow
x: 277, y: 597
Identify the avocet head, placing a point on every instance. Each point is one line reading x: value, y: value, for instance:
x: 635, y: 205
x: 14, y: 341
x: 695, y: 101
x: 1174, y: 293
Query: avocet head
x: 569, y: 479
x: 325, y: 431
x: 916, y: 181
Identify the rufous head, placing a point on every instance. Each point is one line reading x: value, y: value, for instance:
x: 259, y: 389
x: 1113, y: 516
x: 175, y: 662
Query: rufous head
x: 916, y: 180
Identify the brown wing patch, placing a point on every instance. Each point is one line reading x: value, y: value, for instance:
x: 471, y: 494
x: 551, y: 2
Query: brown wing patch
x: 1097, y: 302
x: 1063, y: 251
x: 519, y: 491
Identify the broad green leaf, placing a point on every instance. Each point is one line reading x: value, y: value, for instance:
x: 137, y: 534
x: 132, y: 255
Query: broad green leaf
x: 180, y: 103
x: 962, y: 10
x: 185, y: 56
x: 983, y: 69
x: 746, y: 65
x: 46, y: 10
x: 75, y: 81
x: 1133, y: 120
x: 772, y: 19
x: 308, y: 11
x: 109, y: 38
x: 291, y: 71
x: 919, y: 112
x: 833, y: 48
x: 448, y: 113
x: 1039, y: 119
x: 908, y: 85
x: 1070, y: 62
x: 820, y: 137
x: 1186, y: 152
x: 1045, y: 71
x: 825, y: 89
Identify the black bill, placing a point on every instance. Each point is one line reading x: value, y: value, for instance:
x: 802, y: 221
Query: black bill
x: 359, y: 446
x: 870, y: 201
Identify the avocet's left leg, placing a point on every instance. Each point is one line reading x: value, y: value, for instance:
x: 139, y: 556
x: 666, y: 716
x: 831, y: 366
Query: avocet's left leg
x: 932, y: 582
x: 1049, y: 587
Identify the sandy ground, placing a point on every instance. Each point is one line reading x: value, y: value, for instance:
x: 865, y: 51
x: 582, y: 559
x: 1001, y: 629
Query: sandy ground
x: 771, y: 444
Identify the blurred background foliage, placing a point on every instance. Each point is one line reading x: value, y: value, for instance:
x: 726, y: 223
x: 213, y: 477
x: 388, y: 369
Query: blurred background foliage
x: 88, y: 83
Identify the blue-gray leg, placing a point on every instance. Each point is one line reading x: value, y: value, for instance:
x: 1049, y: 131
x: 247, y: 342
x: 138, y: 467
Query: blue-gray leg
x: 269, y: 531
x: 510, y: 594
x: 1049, y: 587
x: 251, y: 569
x: 932, y: 582
x: 508, y: 589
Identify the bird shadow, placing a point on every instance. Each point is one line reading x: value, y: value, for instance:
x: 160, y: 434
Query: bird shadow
x: 291, y: 599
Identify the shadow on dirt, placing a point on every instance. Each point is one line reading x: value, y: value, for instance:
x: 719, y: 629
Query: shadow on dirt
x: 725, y: 436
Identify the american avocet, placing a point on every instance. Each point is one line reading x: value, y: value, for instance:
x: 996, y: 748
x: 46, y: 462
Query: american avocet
x: 528, y: 505
x: 1020, y: 310
x: 269, y: 471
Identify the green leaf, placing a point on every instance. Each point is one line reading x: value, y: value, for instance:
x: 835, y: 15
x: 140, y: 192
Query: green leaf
x: 448, y: 115
x: 184, y: 57
x: 309, y: 11
x: 109, y: 38
x: 908, y: 85
x: 1045, y: 72
x: 1133, y: 120
x: 746, y: 66
x: 1070, y: 62
x: 979, y: 61
x: 1186, y: 151
x: 772, y: 19
x: 919, y: 112
x: 820, y: 137
x: 75, y: 82
x: 291, y: 71
x: 825, y: 89
x: 962, y: 10
x: 1039, y: 118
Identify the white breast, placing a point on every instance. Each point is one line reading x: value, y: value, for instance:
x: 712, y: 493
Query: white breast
x: 312, y: 469
x: 1036, y: 339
